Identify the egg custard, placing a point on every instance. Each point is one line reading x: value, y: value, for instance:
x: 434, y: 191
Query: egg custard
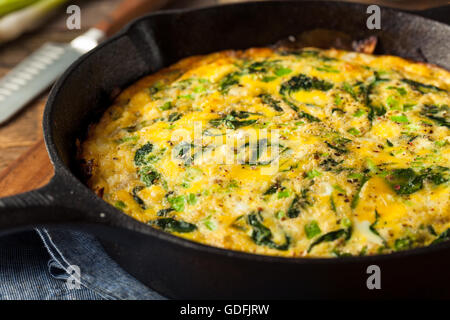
x: 292, y: 153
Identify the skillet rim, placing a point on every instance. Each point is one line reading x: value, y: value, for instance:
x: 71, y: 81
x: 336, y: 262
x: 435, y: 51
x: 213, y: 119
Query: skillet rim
x: 62, y: 171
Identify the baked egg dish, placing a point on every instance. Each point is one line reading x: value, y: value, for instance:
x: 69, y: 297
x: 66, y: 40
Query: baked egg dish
x: 297, y: 153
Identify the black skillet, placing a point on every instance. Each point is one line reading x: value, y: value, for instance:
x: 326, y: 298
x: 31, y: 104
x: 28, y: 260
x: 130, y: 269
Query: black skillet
x: 180, y: 268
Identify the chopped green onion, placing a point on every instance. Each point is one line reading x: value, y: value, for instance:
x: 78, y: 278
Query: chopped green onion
x: 359, y: 113
x: 400, y: 119
x: 120, y: 205
x: 283, y: 194
x: 280, y: 215
x: 177, y: 203
x: 282, y: 71
x: 191, y: 199
x: 313, y: 173
x: 210, y: 224
x: 393, y: 103
x: 354, y: 131
x: 312, y: 229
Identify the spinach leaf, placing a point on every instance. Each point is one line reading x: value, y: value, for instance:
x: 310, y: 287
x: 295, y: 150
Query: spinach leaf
x: 164, y: 212
x: 239, y: 223
x: 376, y: 111
x: 270, y: 101
x: 228, y: 81
x: 444, y: 236
x: 136, y: 198
x: 422, y: 88
x: 403, y: 244
x: 329, y: 164
x: 141, y: 154
x: 185, y: 152
x: 120, y: 205
x: 349, y: 89
x: 339, y: 144
x: 290, y: 104
x: 299, y: 203
x: 166, y: 106
x: 262, y: 235
x: 331, y: 236
x: 243, y: 114
x: 172, y: 225
x: 303, y: 82
x: 272, y: 189
x: 155, y: 88
x: 437, y: 175
x: 338, y: 110
x: 260, y: 66
x: 142, y: 157
x: 340, y: 150
x: 307, y: 116
x: 231, y: 121
x: 431, y: 230
x: 293, y: 211
x: 174, y: 117
x: 307, y: 53
x: 374, y: 224
x: 373, y: 110
x: 355, y: 199
x: 440, y: 115
x: 256, y: 151
x: 148, y: 175
x: 301, y: 114
x: 268, y: 69
x: 405, y: 181
x: 339, y: 253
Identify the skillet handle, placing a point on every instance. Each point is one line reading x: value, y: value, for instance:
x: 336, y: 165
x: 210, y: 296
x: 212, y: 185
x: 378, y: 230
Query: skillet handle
x: 55, y: 204
x: 36, y: 208
x: 49, y: 207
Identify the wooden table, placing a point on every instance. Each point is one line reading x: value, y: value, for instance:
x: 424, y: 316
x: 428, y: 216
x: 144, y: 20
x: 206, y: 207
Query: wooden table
x: 25, y: 129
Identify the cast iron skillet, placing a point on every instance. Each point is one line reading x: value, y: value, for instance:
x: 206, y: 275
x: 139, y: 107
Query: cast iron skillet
x: 180, y: 268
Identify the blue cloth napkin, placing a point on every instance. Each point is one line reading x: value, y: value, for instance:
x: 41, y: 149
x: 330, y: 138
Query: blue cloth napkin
x: 45, y: 266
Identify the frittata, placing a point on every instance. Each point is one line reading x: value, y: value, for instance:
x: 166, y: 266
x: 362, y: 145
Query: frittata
x: 309, y: 152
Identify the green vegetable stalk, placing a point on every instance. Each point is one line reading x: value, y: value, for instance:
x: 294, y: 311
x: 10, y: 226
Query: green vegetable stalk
x: 8, y: 6
x: 20, y: 16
